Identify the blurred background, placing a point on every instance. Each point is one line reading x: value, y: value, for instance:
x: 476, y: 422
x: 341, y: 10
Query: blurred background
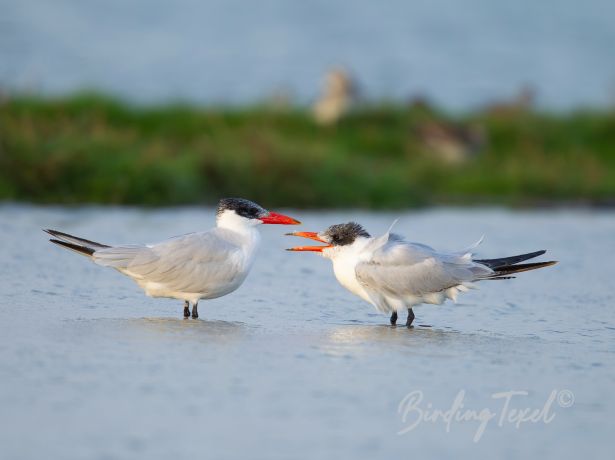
x: 308, y: 104
x: 459, y: 118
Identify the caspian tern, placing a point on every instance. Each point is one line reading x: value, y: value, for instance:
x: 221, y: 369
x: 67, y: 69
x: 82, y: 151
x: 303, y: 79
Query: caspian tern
x: 201, y: 265
x: 395, y: 275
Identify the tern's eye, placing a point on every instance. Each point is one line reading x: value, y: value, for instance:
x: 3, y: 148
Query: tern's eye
x: 339, y: 239
x: 250, y: 212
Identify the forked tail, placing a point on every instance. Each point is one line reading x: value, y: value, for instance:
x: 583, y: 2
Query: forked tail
x: 74, y: 243
x: 506, y: 266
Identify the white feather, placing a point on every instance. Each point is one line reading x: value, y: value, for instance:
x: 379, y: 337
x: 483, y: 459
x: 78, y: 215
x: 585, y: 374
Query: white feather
x: 393, y: 274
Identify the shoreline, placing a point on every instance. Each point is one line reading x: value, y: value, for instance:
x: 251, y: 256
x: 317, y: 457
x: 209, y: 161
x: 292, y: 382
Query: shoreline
x: 89, y: 148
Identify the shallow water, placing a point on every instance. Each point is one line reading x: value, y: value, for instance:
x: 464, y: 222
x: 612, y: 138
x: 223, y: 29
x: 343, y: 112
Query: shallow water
x: 460, y: 54
x: 291, y: 365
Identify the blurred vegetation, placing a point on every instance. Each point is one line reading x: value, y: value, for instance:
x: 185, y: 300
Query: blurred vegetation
x: 89, y: 148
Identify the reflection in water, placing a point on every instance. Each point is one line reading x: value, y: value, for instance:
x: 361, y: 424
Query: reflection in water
x: 174, y: 329
x: 364, y: 338
x: 390, y: 335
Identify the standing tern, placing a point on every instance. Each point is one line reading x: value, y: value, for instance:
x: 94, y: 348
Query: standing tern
x: 201, y: 265
x: 395, y: 275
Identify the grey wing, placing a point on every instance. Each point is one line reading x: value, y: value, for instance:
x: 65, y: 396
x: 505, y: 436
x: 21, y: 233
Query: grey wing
x: 188, y: 263
x: 400, y: 269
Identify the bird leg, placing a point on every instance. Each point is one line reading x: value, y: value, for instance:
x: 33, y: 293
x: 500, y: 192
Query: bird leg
x: 195, y: 312
x: 394, y: 318
x: 186, y: 309
x: 410, y: 317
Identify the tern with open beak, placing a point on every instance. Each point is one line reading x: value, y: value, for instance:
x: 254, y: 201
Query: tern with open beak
x: 395, y: 275
x: 201, y: 265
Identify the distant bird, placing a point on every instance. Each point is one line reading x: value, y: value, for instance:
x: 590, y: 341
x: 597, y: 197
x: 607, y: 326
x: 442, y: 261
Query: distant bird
x: 452, y: 143
x: 395, y: 275
x: 201, y: 265
x: 336, y: 98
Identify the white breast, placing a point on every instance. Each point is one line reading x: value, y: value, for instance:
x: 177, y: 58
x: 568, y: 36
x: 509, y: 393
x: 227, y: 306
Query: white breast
x: 344, y: 269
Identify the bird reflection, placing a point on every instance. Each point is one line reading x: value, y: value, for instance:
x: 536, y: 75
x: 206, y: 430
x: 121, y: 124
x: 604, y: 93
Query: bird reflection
x: 189, y: 329
x: 380, y: 338
x: 165, y: 329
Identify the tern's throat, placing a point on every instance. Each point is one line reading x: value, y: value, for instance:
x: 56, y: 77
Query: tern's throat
x: 345, y: 262
x: 241, y: 233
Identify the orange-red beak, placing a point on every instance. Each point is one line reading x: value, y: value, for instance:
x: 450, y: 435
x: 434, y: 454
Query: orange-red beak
x: 311, y: 236
x: 275, y: 218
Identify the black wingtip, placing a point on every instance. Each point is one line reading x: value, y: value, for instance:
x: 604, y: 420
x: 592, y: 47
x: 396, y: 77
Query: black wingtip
x: 74, y: 239
x: 510, y: 269
x: 509, y: 261
x: 74, y: 247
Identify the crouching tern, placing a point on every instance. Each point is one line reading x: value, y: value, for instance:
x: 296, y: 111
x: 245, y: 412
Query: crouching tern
x: 395, y: 275
x: 201, y: 265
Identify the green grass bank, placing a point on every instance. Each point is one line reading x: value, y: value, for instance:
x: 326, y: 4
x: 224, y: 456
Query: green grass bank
x: 93, y: 149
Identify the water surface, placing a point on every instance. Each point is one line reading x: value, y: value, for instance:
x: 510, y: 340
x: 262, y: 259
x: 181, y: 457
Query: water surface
x: 291, y: 365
